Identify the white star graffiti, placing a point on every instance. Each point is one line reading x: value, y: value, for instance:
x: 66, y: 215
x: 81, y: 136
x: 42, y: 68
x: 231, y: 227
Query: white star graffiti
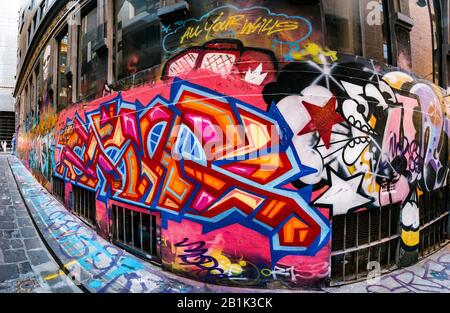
x: 325, y: 73
x: 343, y: 194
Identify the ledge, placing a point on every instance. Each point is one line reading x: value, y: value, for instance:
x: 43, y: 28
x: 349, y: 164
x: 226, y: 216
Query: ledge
x: 173, y: 12
x: 404, y: 21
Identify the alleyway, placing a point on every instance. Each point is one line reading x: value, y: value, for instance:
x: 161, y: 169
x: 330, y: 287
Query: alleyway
x: 98, y: 266
x: 25, y: 264
x: 94, y: 263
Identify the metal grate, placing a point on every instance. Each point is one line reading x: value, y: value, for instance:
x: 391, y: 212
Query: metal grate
x: 434, y: 220
x: 59, y: 188
x: 136, y: 231
x: 363, y: 237
x: 83, y: 204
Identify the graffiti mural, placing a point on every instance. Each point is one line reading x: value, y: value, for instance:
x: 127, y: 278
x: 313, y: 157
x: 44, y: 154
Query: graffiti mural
x: 255, y: 25
x: 254, y: 138
x: 374, y: 138
x: 36, y: 140
x: 167, y: 156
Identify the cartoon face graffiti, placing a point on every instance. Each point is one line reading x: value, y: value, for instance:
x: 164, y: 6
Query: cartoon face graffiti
x: 225, y: 58
x: 349, y: 120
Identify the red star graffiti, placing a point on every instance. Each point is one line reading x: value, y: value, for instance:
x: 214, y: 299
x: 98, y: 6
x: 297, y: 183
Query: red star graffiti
x: 322, y: 120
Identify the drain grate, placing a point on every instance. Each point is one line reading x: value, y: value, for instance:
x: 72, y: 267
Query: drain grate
x: 26, y: 286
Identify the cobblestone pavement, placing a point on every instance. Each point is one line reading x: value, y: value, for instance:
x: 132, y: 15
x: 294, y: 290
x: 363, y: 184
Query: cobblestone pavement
x: 25, y: 264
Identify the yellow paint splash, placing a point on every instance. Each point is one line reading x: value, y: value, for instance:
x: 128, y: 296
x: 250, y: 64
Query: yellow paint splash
x: 315, y: 53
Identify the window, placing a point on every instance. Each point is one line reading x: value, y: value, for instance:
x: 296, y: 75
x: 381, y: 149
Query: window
x: 138, y: 36
x: 62, y: 94
x: 28, y: 36
x: 31, y: 104
x: 24, y: 108
x: 436, y: 39
x: 35, y: 21
x: 343, y: 26
x: 42, y: 10
x: 92, y: 68
x: 22, y: 20
x: 37, y: 102
x: 356, y: 27
x: 59, y: 188
x: 448, y: 69
x: 425, y: 40
x: 447, y: 19
x: 137, y: 231
x: 84, y: 204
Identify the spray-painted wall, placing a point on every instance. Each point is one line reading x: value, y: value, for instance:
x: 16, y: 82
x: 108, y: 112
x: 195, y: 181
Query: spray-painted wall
x: 252, y: 141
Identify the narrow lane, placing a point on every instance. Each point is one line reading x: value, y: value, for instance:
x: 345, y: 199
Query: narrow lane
x: 26, y: 266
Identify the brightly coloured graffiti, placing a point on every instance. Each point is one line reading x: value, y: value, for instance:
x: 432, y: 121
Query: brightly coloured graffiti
x: 254, y: 25
x: 167, y: 156
x: 386, y: 143
x: 246, y: 153
x: 241, y: 22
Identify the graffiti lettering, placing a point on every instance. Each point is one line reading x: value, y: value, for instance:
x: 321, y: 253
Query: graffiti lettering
x: 195, y: 254
x: 240, y: 25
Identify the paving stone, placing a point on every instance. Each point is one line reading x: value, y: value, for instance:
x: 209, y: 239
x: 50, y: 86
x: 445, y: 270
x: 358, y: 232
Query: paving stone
x: 8, y: 272
x: 63, y: 290
x: 8, y: 225
x: 54, y: 281
x: 5, y: 201
x: 38, y: 257
x: 6, y: 218
x: 20, y: 213
x: 32, y: 244
x: 16, y: 244
x: 14, y: 256
x: 9, y: 234
x: 24, y: 221
x: 4, y: 245
x: 4, y: 287
x: 25, y: 268
x: 28, y: 232
x: 9, y: 213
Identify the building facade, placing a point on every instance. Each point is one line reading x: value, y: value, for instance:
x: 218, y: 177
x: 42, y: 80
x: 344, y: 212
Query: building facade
x: 8, y: 48
x: 247, y: 143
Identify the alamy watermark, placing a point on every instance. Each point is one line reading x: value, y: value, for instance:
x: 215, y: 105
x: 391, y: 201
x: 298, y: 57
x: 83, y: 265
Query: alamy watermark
x: 227, y: 143
x: 374, y: 13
